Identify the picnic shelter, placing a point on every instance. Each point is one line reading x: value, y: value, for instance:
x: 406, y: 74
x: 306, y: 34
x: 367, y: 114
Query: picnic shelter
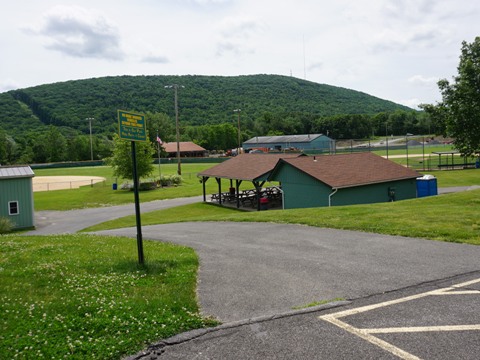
x: 254, y: 168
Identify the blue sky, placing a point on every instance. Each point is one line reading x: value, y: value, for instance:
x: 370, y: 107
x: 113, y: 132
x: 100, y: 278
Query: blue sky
x: 392, y: 49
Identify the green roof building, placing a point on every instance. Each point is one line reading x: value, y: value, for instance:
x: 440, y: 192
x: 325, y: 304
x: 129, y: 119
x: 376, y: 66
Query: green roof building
x: 309, y: 143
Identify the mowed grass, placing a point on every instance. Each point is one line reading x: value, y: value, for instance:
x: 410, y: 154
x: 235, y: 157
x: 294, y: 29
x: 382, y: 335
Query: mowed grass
x: 451, y: 217
x: 102, y: 194
x: 86, y: 297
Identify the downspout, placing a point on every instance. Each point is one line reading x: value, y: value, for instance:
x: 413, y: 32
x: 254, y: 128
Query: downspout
x: 330, y: 196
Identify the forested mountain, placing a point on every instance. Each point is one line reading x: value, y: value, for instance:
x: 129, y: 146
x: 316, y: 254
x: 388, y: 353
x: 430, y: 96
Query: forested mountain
x: 202, y: 100
x: 48, y: 123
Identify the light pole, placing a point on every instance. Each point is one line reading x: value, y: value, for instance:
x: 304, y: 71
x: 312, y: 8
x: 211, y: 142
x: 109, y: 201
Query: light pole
x: 238, y: 111
x: 91, y: 142
x: 175, y: 88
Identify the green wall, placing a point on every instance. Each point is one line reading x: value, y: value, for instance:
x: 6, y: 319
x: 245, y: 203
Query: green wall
x: 367, y: 194
x: 20, y: 190
x: 302, y: 191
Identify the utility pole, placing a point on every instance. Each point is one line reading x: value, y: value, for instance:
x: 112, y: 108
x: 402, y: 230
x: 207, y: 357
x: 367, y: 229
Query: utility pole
x: 238, y: 111
x: 175, y: 88
x: 91, y: 142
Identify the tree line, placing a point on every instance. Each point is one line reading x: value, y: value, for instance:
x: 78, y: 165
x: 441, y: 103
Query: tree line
x: 57, y: 143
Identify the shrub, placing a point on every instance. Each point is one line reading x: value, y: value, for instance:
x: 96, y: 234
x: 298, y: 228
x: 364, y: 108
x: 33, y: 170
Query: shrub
x: 170, y: 180
x: 150, y: 185
x: 6, y: 225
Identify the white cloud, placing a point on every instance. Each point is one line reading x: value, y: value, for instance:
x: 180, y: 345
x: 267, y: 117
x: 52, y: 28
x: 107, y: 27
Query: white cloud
x: 8, y: 84
x: 235, y: 34
x: 411, y: 103
x: 77, y: 32
x: 208, y: 2
x: 423, y: 81
x: 155, y: 59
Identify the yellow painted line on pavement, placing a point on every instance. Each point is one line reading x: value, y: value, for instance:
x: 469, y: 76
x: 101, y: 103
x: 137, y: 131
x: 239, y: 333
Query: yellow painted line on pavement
x: 366, y: 334
x: 443, y: 291
x: 422, y: 329
x: 464, y: 292
x: 370, y: 338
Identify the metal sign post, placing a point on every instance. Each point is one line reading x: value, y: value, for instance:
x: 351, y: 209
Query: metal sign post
x: 137, y: 206
x: 133, y: 127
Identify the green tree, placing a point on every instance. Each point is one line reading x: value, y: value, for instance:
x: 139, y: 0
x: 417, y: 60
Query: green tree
x: 121, y: 159
x: 56, y: 145
x: 79, y: 148
x: 461, y: 100
x: 162, y: 124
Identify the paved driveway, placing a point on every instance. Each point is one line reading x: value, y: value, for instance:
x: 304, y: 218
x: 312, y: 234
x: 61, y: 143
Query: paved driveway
x: 61, y: 222
x: 257, y: 269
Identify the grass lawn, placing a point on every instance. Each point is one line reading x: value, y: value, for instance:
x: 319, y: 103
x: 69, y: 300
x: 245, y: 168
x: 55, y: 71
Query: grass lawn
x: 415, y: 150
x: 101, y: 194
x: 85, y: 297
x: 450, y: 217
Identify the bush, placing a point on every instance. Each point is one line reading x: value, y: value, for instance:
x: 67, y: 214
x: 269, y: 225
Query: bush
x: 170, y: 180
x: 147, y: 186
x: 6, y: 225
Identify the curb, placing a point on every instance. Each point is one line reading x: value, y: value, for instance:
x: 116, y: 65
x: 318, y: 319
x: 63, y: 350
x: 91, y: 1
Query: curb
x: 155, y: 350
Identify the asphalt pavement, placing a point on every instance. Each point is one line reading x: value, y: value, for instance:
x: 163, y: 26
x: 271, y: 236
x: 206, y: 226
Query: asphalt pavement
x: 69, y: 222
x: 437, y: 320
x: 257, y: 269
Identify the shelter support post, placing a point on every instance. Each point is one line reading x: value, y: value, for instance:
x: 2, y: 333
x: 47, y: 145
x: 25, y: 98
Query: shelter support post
x: 237, y: 191
x: 219, y: 182
x: 204, y: 180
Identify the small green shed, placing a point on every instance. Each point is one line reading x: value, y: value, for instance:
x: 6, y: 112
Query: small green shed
x: 16, y: 196
x: 346, y: 179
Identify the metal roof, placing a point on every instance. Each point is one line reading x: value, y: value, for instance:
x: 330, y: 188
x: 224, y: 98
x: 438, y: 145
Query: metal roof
x: 15, y: 172
x: 283, y: 139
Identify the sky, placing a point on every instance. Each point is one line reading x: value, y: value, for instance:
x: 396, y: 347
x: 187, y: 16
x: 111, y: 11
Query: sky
x: 392, y: 49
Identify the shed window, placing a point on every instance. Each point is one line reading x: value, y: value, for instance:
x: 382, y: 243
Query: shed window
x: 13, y: 208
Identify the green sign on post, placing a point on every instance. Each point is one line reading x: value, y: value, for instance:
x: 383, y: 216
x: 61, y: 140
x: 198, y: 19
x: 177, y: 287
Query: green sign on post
x: 132, y: 126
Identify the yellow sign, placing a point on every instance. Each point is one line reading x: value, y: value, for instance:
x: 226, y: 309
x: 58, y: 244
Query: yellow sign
x: 132, y: 126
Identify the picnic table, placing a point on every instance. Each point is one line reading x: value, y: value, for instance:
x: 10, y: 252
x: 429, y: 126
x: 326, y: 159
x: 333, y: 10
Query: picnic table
x: 248, y: 197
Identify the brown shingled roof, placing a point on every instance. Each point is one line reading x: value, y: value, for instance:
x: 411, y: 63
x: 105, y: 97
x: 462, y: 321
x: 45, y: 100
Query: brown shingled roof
x: 185, y: 146
x: 348, y: 170
x: 246, y: 166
